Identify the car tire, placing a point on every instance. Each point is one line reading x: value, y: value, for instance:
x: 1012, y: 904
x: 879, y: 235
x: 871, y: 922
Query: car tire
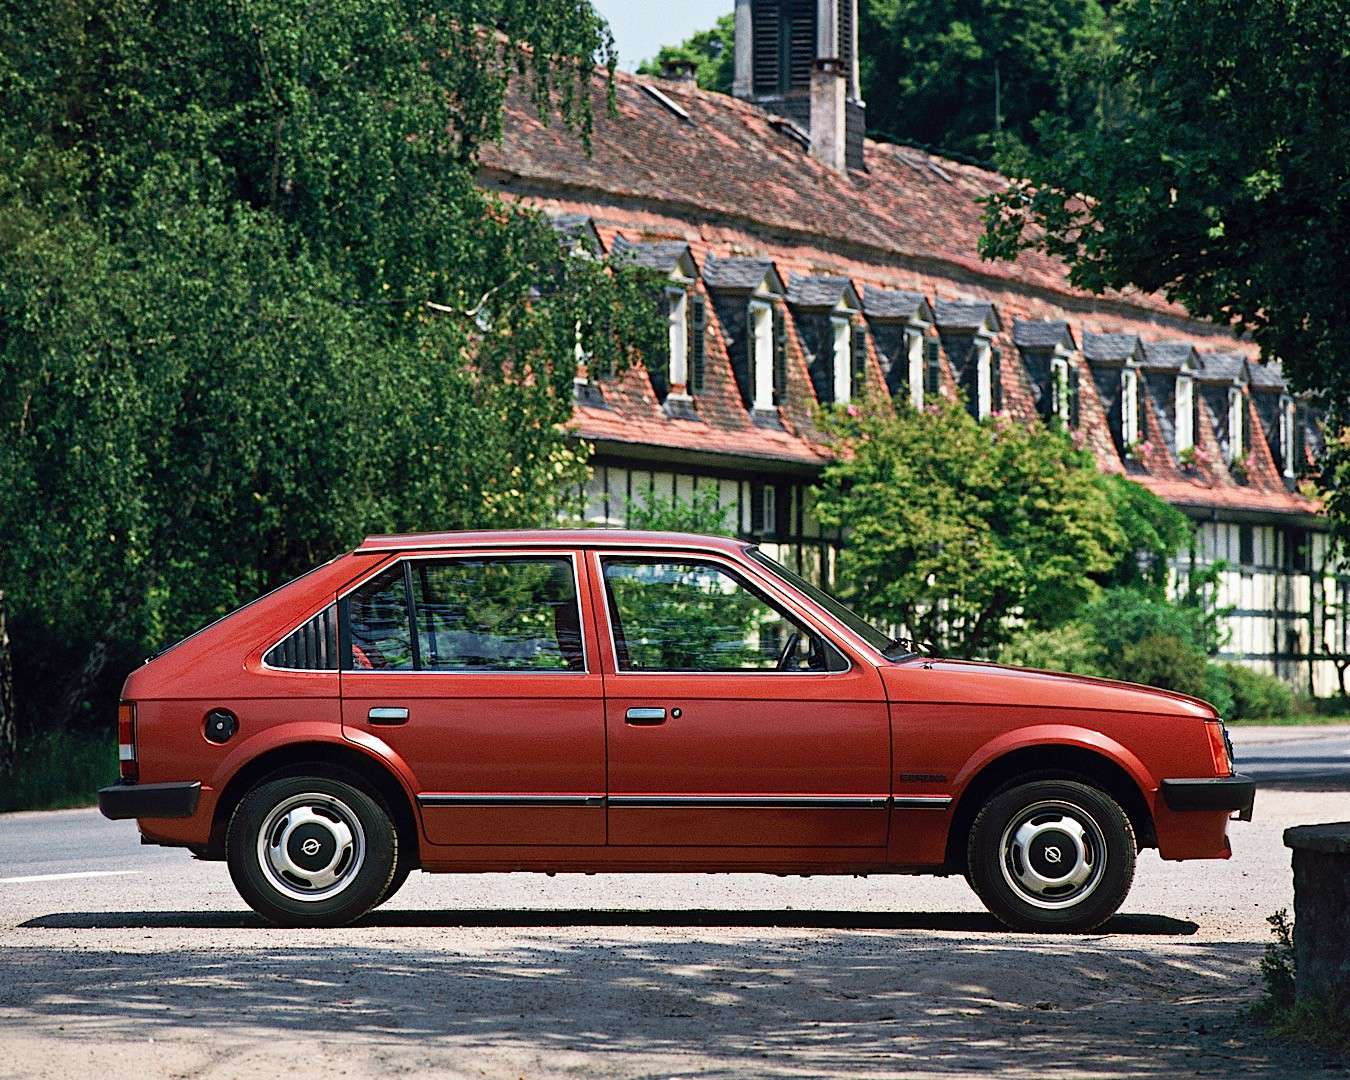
x: 1051, y: 855
x: 396, y: 882
x: 311, y: 850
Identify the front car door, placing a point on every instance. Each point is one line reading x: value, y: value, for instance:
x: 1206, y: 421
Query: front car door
x: 733, y: 721
x: 479, y: 670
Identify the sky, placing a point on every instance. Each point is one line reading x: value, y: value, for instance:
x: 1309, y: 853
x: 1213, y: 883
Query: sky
x: 641, y: 27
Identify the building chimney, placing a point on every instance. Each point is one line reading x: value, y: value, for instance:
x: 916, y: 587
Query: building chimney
x: 742, y: 84
x: 829, y: 142
x: 680, y: 71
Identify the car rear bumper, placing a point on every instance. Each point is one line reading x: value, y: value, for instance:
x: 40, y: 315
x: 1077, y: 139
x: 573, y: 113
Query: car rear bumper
x: 121, y: 801
x: 1227, y: 793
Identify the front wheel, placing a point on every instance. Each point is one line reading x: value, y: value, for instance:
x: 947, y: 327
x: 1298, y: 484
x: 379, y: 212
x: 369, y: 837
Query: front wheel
x: 1051, y: 855
x: 311, y: 851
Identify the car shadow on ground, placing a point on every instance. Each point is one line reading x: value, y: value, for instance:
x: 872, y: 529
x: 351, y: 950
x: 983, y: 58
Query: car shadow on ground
x: 714, y: 1002
x: 963, y: 922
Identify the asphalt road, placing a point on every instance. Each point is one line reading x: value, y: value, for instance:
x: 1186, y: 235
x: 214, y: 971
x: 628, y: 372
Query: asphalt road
x: 1289, y: 755
x: 133, y: 961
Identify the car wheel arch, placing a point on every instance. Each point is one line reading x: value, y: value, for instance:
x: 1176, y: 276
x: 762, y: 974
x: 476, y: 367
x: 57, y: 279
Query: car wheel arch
x: 1062, y: 760
x: 339, y: 760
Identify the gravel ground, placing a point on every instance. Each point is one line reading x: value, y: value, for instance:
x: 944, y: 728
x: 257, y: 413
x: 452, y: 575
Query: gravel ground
x: 161, y: 972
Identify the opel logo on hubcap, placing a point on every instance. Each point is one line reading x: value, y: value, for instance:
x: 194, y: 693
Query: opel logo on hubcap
x: 1052, y: 855
x: 311, y: 847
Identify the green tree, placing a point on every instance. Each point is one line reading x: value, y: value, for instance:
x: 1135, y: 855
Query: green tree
x: 713, y: 50
x: 956, y: 528
x: 969, y: 75
x: 1216, y: 171
x: 1154, y: 531
x: 253, y: 304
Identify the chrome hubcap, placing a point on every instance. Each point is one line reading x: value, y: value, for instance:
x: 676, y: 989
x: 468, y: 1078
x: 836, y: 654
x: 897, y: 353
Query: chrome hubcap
x: 1053, y: 854
x: 311, y: 847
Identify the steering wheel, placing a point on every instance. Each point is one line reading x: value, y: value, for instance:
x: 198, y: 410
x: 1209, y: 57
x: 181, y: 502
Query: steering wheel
x: 789, y: 650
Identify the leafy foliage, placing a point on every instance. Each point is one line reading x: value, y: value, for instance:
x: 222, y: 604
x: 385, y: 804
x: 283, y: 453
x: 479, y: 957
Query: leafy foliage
x: 968, y: 76
x: 956, y: 526
x: 253, y: 304
x: 713, y: 50
x: 1215, y: 171
x: 702, y: 512
x: 1256, y: 695
x: 1154, y: 530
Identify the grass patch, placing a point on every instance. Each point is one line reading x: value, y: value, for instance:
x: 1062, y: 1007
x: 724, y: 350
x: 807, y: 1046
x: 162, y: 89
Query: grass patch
x: 1313, y: 1022
x: 1299, y: 719
x: 60, y: 769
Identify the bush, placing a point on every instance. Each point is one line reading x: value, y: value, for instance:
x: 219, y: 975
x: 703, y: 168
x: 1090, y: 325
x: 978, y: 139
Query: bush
x: 63, y: 768
x: 1123, y: 617
x: 1070, y: 648
x: 1256, y: 696
x: 1162, y: 660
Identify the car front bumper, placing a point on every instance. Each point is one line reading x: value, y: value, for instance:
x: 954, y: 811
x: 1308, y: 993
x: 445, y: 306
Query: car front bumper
x: 121, y: 801
x: 1234, y: 794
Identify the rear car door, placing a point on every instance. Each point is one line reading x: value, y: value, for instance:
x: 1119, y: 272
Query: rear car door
x: 477, y: 670
x: 733, y: 720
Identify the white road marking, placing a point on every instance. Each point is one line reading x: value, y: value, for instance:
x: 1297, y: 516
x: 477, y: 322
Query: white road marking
x: 66, y: 877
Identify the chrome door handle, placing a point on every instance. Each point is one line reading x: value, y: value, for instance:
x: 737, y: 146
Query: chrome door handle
x: 387, y: 715
x: 647, y: 717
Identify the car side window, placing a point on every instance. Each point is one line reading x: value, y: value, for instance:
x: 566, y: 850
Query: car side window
x: 378, y: 621
x: 690, y: 615
x: 470, y: 614
x: 517, y: 614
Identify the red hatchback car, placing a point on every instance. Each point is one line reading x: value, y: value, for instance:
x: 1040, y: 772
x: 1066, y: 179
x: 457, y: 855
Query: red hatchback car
x: 619, y: 701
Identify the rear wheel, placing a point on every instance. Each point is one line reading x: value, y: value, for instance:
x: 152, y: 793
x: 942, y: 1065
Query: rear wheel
x: 311, y: 851
x: 1051, y: 855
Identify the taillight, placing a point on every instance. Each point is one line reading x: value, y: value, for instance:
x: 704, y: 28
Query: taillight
x: 1218, y: 748
x: 126, y: 740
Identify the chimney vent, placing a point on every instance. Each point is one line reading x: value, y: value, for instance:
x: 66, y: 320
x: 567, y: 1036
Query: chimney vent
x: 680, y: 71
x: 829, y: 142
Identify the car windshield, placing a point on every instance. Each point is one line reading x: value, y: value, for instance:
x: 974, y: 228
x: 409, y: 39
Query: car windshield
x: 855, y: 622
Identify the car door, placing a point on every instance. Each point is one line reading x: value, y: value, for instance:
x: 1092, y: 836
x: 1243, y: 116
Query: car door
x: 478, y: 670
x: 732, y: 720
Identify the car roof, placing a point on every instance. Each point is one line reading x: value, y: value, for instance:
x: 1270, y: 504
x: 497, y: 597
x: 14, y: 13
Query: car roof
x: 547, y: 538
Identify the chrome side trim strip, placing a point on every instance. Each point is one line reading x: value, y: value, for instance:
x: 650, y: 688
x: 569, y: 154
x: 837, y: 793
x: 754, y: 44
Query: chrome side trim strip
x: 826, y: 802
x: 922, y: 802
x: 437, y: 799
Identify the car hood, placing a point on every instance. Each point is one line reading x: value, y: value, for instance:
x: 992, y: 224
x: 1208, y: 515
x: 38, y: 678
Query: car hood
x: 973, y: 682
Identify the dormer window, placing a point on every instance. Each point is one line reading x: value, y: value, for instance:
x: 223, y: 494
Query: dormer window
x: 761, y: 354
x: 968, y: 328
x: 896, y: 321
x: 1129, y: 407
x: 1237, y: 431
x: 1288, y: 437
x: 677, y: 323
x: 1185, y: 414
x: 842, y: 360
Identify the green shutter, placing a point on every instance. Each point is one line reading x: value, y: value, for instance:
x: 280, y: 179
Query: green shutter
x: 1073, y: 396
x: 932, y: 368
x: 779, y: 357
x: 698, y: 322
x: 995, y: 380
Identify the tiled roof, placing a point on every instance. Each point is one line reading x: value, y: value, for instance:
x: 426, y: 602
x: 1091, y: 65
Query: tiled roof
x: 663, y: 255
x: 1221, y: 367
x: 1111, y: 348
x: 966, y: 315
x: 1169, y: 355
x: 572, y: 228
x: 735, y: 273
x: 1267, y: 376
x: 895, y: 304
x: 1044, y: 334
x: 821, y: 292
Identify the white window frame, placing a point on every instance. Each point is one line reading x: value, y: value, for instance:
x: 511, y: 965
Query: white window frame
x: 842, y: 326
x: 1129, y: 406
x: 915, y: 359
x: 677, y: 316
x: 984, y: 379
x: 1060, y: 406
x: 761, y: 354
x: 1288, y: 436
x: 1237, y: 416
x: 1185, y: 413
